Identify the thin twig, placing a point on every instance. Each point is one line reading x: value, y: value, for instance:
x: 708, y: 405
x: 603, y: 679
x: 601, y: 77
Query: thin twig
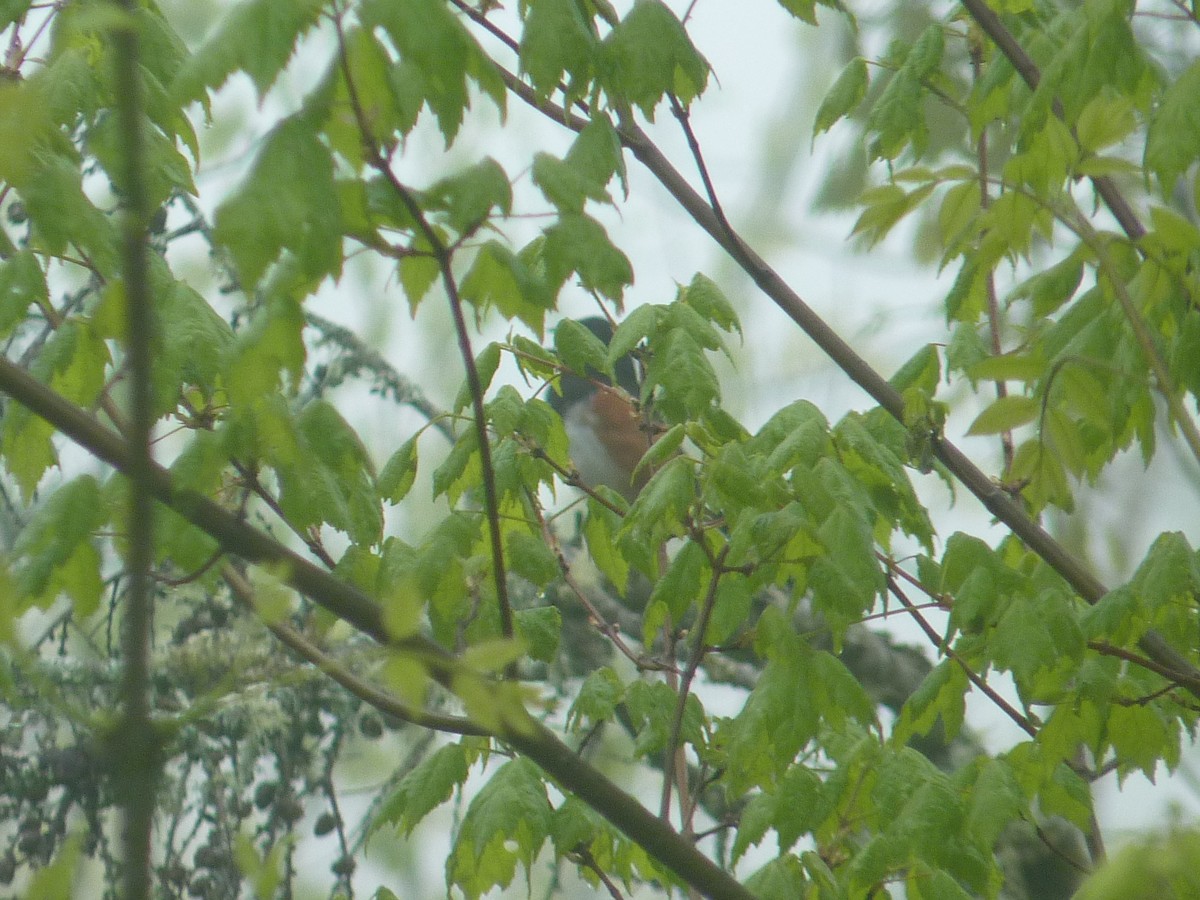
x: 444, y: 256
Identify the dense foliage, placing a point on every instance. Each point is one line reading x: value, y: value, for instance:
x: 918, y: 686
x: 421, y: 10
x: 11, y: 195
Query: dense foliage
x: 200, y: 641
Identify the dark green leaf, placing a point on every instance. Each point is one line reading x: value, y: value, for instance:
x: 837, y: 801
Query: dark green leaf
x: 399, y: 473
x: 540, y: 627
x: 21, y: 283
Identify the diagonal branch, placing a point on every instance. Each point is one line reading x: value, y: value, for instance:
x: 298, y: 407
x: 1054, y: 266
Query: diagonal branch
x: 990, y: 494
x: 514, y: 725
x: 989, y: 21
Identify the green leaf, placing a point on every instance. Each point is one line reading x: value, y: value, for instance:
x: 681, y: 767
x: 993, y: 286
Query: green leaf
x: 257, y: 37
x: 578, y: 243
x: 564, y: 185
x: 1105, y: 120
x: 164, y: 170
x: 288, y: 200
x: 507, y: 822
x: 597, y: 699
x: 703, y: 295
x: 21, y: 283
x: 898, y: 119
x: 486, y: 364
x: 580, y: 350
x: 438, y: 51
x: 540, y: 627
x: 846, y: 580
x: 557, y: 39
x: 12, y: 10
x: 467, y: 198
x: 600, y: 530
x: 530, y: 558
x: 649, y: 55
x: 847, y: 92
x: 267, y: 354
x: 330, y: 479
x: 680, y: 367
x: 423, y: 789
x: 996, y: 800
x: 885, y: 206
x: 941, y: 695
x: 62, y: 214
x: 55, y: 551
x: 499, y: 278
x: 399, y: 473
x: 680, y: 585
x: 1005, y: 414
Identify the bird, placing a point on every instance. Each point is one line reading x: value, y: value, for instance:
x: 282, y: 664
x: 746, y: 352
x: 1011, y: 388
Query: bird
x: 608, y: 434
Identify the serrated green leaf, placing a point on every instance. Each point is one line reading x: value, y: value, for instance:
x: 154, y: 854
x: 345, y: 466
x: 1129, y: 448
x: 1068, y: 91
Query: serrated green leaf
x: 486, y: 364
x: 288, y: 200
x: 266, y: 355
x: 440, y: 53
x: 540, y: 628
x: 648, y: 55
x: 467, y: 198
x: 600, y: 530
x: 257, y: 37
x: 960, y: 205
x: 578, y: 243
x: 557, y: 40
x: 62, y: 214
x: 897, y: 118
x: 680, y: 585
x: 597, y: 699
x: 1005, y: 414
x: 54, y: 552
x: 330, y: 480
x: 580, y: 349
x: 703, y: 295
x: 12, y: 10
x: 941, y: 695
x: 423, y: 789
x: 399, y: 473
x: 507, y: 822
x: 530, y: 558
x: 847, y: 92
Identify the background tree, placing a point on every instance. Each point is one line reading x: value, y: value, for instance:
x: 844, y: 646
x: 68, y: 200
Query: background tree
x: 531, y: 660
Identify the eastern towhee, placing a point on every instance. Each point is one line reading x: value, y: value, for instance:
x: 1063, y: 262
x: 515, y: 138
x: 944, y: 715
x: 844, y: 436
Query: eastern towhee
x: 607, y: 433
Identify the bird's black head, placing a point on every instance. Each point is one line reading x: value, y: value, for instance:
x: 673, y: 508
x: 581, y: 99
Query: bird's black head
x: 576, y: 388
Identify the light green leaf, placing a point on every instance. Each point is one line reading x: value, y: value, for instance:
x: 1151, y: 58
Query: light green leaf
x: 468, y: 198
x: 649, y: 55
x: 897, y: 118
x: 439, y: 53
x: 845, y: 95
x: 557, y: 39
x: 423, y: 789
x: 529, y: 557
x: 507, y: 822
x: 1005, y: 414
x: 578, y: 243
x: 256, y: 36
x: 288, y: 200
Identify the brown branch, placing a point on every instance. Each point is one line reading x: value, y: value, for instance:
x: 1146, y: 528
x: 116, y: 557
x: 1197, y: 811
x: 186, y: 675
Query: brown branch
x: 989, y: 21
x: 381, y: 700
x: 514, y: 725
